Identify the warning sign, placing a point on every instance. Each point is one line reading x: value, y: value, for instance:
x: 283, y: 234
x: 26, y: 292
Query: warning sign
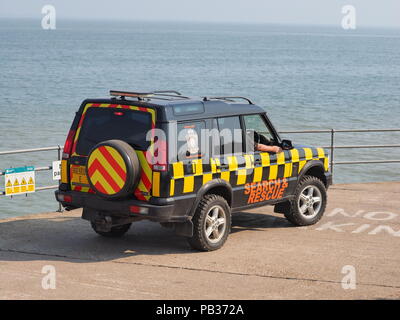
x: 9, y: 185
x: 20, y: 180
x: 24, y: 185
x: 16, y: 186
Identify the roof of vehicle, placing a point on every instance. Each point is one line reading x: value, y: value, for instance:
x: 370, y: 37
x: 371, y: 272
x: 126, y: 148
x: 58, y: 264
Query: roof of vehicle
x: 175, y: 107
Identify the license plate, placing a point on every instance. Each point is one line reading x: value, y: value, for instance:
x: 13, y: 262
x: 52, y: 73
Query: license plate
x: 78, y: 175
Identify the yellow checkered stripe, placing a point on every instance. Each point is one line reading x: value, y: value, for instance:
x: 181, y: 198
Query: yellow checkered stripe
x: 239, y: 170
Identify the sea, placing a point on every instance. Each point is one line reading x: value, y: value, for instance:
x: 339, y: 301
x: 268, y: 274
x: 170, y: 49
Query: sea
x: 305, y: 77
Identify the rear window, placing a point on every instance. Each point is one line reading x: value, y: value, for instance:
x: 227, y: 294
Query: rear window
x: 102, y: 124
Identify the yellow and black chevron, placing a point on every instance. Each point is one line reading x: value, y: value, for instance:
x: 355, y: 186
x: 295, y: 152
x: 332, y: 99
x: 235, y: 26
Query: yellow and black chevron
x: 237, y: 170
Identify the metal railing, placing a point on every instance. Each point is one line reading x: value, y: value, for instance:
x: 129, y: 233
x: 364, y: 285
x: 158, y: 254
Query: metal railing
x: 44, y: 168
x: 332, y: 147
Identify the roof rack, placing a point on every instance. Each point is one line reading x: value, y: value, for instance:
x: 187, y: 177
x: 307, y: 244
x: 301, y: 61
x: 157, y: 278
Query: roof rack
x: 230, y: 99
x: 159, y: 94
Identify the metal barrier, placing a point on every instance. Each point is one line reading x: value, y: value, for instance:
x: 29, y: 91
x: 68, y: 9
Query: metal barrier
x: 46, y: 168
x: 332, y: 147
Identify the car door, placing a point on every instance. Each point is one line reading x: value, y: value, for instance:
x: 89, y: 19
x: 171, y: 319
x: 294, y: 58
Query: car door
x: 191, y: 168
x: 232, y: 164
x: 272, y: 175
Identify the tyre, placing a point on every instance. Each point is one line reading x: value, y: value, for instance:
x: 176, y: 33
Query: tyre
x: 115, y: 232
x: 113, y: 169
x: 211, y: 223
x: 309, y: 202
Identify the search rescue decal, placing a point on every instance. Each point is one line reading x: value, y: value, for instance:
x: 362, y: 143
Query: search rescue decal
x: 265, y: 190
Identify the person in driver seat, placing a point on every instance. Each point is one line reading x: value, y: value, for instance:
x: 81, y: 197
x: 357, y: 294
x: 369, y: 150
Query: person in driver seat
x: 252, y: 136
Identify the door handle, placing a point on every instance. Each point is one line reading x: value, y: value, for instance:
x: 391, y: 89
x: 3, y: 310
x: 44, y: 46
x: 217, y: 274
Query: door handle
x: 224, y: 166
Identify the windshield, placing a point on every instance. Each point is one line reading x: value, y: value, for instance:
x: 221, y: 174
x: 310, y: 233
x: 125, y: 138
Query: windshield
x: 103, y: 124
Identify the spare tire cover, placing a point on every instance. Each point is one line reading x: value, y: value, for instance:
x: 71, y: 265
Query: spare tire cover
x: 113, y: 169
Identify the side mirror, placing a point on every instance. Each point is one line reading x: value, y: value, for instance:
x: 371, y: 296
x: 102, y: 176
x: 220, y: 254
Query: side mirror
x: 286, y: 145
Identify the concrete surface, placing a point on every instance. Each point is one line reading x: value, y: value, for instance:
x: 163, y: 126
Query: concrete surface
x: 264, y: 257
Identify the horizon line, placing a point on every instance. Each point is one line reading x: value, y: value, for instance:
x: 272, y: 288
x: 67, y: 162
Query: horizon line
x: 107, y: 19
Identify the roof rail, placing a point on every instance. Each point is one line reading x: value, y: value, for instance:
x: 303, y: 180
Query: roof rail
x: 159, y: 94
x: 169, y: 91
x: 230, y: 99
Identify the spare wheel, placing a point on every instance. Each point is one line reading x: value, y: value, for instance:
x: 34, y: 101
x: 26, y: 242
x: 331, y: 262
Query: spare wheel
x: 113, y: 169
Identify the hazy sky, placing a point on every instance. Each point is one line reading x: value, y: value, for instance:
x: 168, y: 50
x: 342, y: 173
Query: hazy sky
x: 383, y: 13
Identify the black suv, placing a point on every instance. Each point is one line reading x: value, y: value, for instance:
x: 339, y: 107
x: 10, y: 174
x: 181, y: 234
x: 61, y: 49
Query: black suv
x: 187, y: 163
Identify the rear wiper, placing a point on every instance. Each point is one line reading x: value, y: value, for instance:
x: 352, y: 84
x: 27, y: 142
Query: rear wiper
x: 135, y: 146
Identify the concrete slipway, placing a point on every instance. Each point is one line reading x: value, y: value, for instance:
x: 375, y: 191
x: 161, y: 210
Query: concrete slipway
x: 356, y: 242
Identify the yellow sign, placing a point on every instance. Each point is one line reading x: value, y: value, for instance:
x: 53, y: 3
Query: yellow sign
x: 9, y: 188
x: 24, y: 187
x: 16, y: 178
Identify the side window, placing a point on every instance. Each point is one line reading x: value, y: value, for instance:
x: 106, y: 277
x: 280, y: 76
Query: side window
x: 190, y: 143
x: 256, y: 132
x: 231, y: 135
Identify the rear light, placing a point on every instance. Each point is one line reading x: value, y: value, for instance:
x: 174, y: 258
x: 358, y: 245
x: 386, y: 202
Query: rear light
x: 138, y: 210
x: 160, y: 155
x: 68, y: 144
x: 64, y: 171
x: 64, y: 198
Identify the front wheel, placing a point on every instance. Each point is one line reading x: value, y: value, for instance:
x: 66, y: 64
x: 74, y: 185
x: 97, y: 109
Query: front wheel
x: 114, y: 232
x: 211, y: 223
x: 309, y: 202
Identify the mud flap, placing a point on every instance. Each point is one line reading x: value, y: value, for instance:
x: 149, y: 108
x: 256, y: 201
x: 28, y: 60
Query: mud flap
x: 90, y: 214
x: 282, y: 207
x: 184, y: 229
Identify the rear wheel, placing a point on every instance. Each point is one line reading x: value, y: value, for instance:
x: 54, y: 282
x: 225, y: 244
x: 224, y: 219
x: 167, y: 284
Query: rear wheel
x: 309, y: 203
x: 211, y: 223
x: 114, y: 232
